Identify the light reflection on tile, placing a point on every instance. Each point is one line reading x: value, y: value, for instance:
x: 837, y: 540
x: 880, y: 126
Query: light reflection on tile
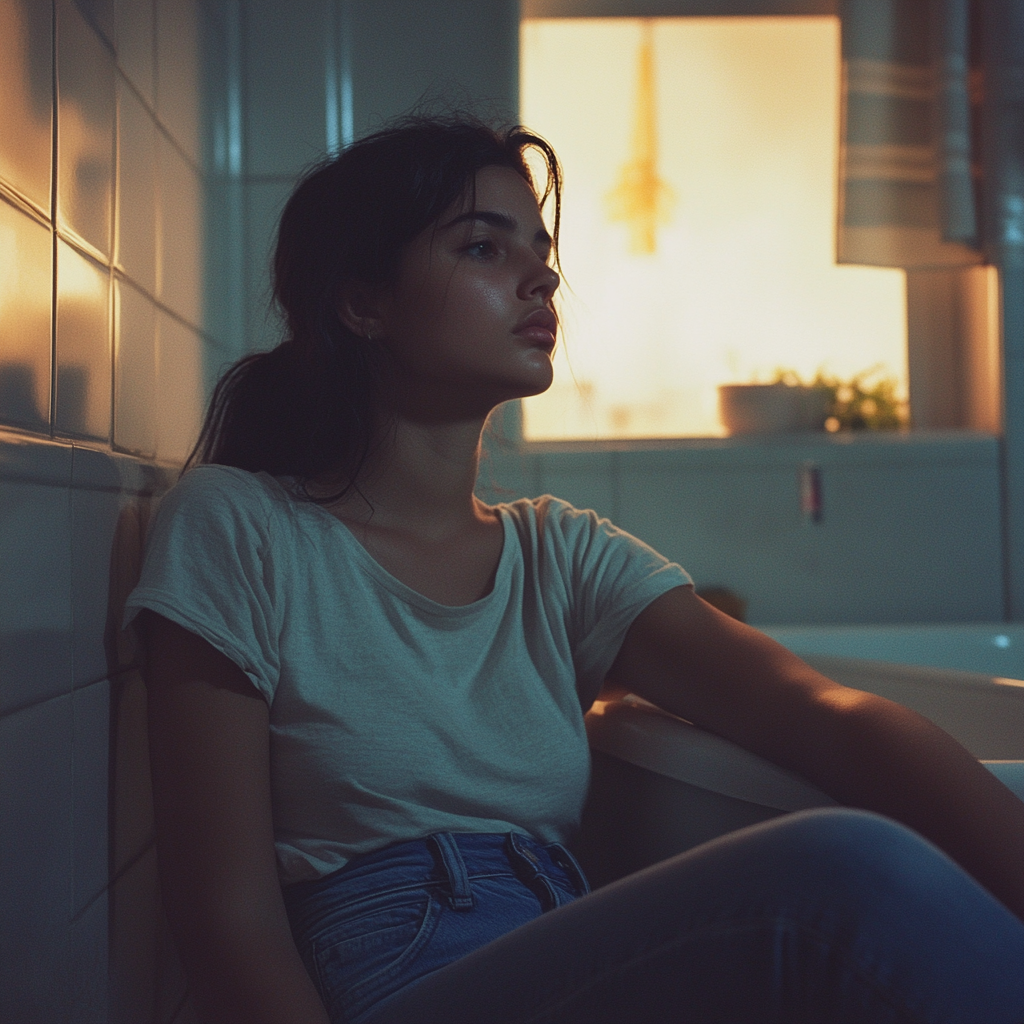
x: 136, y: 175
x: 134, y: 371
x: 26, y: 85
x: 85, y: 129
x: 26, y: 302
x: 83, y: 346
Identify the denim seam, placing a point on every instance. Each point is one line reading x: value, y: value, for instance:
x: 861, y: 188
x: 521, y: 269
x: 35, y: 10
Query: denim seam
x: 859, y: 972
x: 424, y: 933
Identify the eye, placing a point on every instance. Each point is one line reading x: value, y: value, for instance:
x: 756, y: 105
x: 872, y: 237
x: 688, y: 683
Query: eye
x: 482, y: 248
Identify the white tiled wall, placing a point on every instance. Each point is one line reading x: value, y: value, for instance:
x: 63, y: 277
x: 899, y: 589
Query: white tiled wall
x: 103, y: 353
x: 146, y: 149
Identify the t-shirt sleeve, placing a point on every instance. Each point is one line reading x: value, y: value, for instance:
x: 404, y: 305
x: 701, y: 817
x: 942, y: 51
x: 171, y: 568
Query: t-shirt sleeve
x: 208, y: 568
x: 615, y: 577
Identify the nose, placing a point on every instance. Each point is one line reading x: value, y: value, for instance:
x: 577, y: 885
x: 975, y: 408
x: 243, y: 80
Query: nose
x: 540, y: 280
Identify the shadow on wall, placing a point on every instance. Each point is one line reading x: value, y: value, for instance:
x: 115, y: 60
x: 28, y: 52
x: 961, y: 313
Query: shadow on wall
x: 145, y: 977
x: 18, y: 396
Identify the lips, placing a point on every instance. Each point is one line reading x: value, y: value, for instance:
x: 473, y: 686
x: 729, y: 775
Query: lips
x: 539, y: 327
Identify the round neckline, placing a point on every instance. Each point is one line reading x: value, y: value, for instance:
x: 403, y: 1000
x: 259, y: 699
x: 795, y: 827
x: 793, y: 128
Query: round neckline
x: 413, y: 596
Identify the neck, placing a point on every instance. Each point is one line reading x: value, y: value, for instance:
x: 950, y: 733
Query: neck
x: 420, y: 479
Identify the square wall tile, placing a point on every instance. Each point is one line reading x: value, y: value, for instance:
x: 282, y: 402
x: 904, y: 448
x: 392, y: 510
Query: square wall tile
x: 85, y: 129
x: 136, y: 189
x: 35, y: 850
x: 131, y: 820
x: 83, y: 406
x: 90, y: 748
x: 286, y: 84
x: 180, y: 396
x: 134, y: 370
x: 26, y: 302
x: 136, y: 45
x: 178, y: 71
x: 181, y: 233
x: 35, y: 599
x: 26, y: 84
x: 134, y: 935
x: 87, y: 967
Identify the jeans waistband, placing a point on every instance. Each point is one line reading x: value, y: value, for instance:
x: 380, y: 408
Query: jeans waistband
x: 453, y: 860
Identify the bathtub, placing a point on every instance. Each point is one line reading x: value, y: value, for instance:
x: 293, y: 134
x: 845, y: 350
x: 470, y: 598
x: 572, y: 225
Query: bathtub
x: 661, y: 786
x: 995, y: 649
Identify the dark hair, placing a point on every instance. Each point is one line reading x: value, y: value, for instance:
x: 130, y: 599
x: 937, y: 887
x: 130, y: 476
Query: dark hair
x: 309, y: 406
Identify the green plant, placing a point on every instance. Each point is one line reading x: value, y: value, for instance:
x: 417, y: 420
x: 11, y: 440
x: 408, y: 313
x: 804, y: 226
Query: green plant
x: 867, y: 401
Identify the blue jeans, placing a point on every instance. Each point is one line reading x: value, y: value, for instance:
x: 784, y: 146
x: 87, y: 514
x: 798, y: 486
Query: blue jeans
x: 825, y: 915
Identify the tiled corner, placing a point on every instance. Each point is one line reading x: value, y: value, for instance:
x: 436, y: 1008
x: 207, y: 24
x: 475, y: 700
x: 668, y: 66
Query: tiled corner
x: 35, y: 600
x: 136, y: 191
x: 135, y: 49
x: 83, y: 349
x: 131, y: 816
x: 179, y: 389
x: 285, y: 81
x: 91, y: 788
x: 134, y: 935
x: 35, y: 850
x: 134, y: 370
x: 178, y: 72
x: 85, y: 129
x: 181, y: 233
x: 26, y: 84
x: 87, y: 967
x: 26, y: 295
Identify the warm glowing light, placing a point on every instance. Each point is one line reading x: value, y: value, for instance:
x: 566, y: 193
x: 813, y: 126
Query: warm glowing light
x: 641, y: 198
x: 743, y: 280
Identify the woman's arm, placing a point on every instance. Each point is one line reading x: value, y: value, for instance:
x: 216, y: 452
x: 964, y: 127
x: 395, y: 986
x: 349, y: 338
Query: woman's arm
x: 209, y: 746
x: 863, y: 750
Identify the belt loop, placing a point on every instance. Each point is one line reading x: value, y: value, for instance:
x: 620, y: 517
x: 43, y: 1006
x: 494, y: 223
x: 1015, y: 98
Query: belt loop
x: 460, y: 896
x: 571, y: 866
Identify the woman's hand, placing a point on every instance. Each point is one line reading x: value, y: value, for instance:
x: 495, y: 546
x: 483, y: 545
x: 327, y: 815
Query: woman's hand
x: 863, y: 750
x: 209, y: 737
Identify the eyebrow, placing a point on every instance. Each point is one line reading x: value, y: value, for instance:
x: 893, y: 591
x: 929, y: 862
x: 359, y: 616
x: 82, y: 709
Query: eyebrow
x: 495, y: 219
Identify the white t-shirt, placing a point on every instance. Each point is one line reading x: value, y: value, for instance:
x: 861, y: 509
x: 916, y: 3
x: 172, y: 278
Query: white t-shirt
x: 393, y: 716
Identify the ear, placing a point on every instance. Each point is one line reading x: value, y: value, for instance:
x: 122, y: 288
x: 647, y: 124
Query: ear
x: 359, y: 308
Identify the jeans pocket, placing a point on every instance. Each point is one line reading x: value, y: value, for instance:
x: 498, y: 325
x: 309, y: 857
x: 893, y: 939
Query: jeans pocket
x: 362, y: 959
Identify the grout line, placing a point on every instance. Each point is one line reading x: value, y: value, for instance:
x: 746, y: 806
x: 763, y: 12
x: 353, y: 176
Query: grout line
x: 54, y: 170
x: 18, y: 708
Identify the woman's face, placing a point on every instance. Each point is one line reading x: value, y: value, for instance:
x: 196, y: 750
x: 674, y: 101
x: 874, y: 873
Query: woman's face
x: 469, y: 320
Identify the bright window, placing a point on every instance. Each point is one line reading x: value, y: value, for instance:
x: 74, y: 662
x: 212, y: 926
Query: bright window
x: 742, y: 279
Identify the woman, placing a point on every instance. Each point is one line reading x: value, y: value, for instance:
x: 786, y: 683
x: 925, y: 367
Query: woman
x: 367, y: 686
